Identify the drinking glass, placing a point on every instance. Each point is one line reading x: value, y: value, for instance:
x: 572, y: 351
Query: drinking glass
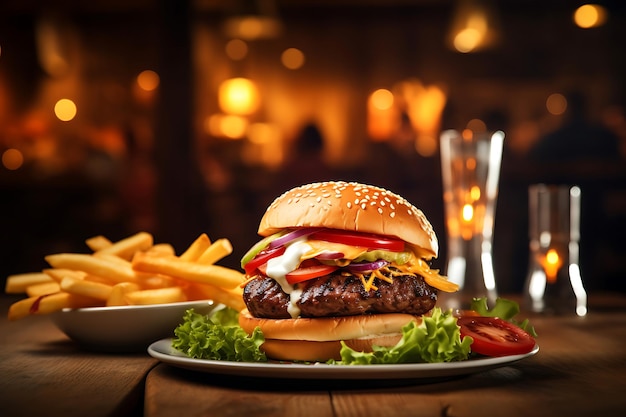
x: 470, y: 164
x: 554, y: 282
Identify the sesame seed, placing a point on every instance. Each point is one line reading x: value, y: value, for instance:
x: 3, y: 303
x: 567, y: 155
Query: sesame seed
x: 363, y: 206
x: 392, y: 214
x: 349, y: 204
x: 380, y: 211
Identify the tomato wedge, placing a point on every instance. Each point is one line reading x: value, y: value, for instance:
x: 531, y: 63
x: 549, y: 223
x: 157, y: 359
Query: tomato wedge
x: 262, y: 258
x: 309, y: 272
x: 495, y: 337
x: 367, y: 240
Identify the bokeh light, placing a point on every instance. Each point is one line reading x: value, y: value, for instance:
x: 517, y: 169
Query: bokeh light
x: 148, y: 80
x: 382, y: 99
x: 239, y: 96
x: 65, y: 109
x: 236, y: 49
x: 556, y: 104
x: 590, y: 16
x: 12, y: 159
x: 292, y: 58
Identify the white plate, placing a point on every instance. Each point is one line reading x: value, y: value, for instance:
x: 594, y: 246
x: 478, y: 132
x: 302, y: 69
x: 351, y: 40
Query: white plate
x: 124, y: 328
x: 163, y: 351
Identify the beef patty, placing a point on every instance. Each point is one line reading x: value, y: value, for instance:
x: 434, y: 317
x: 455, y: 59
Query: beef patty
x: 340, y: 294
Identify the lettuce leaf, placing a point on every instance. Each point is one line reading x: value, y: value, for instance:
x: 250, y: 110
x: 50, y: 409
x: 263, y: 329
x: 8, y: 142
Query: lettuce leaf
x: 436, y: 339
x: 217, y: 336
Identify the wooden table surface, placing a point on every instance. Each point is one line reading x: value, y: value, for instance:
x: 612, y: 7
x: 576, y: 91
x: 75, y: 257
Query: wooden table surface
x: 580, y: 370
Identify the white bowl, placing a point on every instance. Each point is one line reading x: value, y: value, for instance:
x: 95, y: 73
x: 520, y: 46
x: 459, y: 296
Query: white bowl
x: 125, y: 328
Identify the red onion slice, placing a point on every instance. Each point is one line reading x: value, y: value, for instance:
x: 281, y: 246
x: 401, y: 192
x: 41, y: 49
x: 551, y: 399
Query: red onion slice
x: 283, y: 240
x: 367, y: 266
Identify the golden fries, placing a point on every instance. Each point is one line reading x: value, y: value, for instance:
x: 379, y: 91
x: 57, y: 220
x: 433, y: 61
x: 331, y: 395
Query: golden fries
x: 17, y: 284
x: 156, y: 296
x: 215, y: 252
x: 97, y: 243
x: 118, y: 293
x: 190, y: 271
x: 86, y: 288
x: 48, y: 304
x: 98, y: 266
x: 126, y: 248
x: 43, y: 288
x: 131, y: 271
x: 196, y: 249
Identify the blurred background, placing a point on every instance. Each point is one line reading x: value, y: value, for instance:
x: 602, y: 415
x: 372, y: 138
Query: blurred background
x: 179, y: 117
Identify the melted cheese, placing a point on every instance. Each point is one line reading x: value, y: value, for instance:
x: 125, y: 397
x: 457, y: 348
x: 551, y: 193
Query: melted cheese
x: 319, y: 247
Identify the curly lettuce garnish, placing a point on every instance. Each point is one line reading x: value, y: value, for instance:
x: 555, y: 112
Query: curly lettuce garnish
x: 436, y: 339
x: 217, y: 336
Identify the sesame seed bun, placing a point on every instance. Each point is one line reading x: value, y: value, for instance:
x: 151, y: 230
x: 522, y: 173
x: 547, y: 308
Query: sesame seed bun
x: 354, y: 207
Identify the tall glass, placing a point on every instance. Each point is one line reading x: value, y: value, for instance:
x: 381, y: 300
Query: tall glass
x: 470, y: 164
x: 554, y: 284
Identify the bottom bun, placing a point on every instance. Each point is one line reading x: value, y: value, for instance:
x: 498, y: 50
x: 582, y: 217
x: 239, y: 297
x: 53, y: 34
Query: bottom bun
x: 319, y: 339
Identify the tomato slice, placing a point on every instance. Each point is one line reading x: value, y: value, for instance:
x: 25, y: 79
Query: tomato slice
x: 305, y: 273
x: 495, y: 337
x: 262, y: 258
x: 370, y: 241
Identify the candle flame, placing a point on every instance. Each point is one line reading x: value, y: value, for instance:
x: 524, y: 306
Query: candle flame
x: 551, y: 264
x: 468, y: 212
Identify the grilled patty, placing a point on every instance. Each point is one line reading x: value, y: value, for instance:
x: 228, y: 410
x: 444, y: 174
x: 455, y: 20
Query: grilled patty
x: 340, y: 294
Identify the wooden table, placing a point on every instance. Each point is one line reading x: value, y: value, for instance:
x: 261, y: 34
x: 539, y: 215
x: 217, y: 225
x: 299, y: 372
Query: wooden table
x: 43, y: 373
x: 579, y: 371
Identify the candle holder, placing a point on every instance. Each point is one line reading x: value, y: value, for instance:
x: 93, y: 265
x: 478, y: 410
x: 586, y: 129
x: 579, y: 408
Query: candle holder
x: 470, y: 164
x: 554, y: 282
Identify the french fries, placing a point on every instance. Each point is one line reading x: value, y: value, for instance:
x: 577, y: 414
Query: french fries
x: 17, y: 284
x: 131, y: 271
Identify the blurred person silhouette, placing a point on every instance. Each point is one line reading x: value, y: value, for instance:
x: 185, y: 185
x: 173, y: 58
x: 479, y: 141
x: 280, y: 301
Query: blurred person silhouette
x: 578, y: 139
x: 307, y: 163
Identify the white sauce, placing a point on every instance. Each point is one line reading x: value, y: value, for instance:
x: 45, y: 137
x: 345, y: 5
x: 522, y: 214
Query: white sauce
x: 293, y: 308
x: 280, y: 266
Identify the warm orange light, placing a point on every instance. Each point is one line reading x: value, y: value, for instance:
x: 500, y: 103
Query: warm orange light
x: 239, y: 96
x: 551, y: 264
x: 236, y: 49
x: 477, y: 126
x: 589, y: 16
x: 382, y: 115
x: 468, y: 212
x: 263, y: 133
x: 475, y: 193
x: 226, y: 126
x: 65, y: 109
x: 556, y: 104
x: 382, y: 99
x: 424, y: 106
x: 292, y: 58
x: 12, y: 159
x: 148, y: 80
x: 467, y: 40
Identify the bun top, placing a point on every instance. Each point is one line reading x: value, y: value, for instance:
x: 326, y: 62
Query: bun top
x: 354, y: 207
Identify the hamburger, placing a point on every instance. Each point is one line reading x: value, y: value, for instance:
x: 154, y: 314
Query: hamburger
x: 339, y: 262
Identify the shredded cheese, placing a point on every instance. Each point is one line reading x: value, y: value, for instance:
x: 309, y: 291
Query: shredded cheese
x: 415, y: 266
